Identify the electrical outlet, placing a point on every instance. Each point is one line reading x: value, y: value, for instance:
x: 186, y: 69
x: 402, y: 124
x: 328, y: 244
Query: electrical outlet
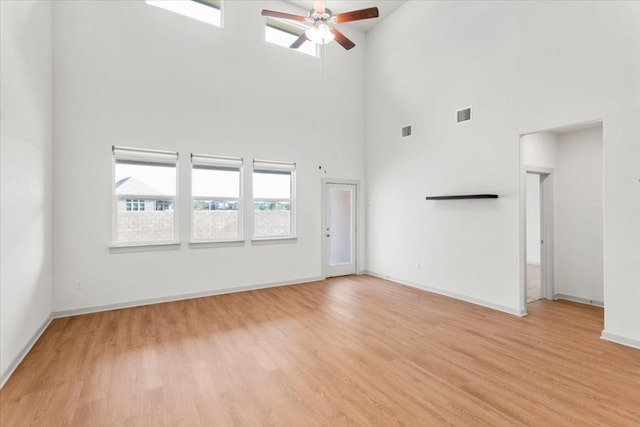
x: 78, y: 284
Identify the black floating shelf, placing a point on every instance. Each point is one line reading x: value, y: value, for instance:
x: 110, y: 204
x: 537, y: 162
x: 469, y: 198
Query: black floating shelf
x: 464, y: 196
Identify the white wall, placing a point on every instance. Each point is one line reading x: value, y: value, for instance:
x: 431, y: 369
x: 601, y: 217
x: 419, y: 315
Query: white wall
x: 523, y: 66
x: 130, y: 74
x: 533, y: 218
x: 25, y: 155
x: 539, y: 149
x: 578, y: 205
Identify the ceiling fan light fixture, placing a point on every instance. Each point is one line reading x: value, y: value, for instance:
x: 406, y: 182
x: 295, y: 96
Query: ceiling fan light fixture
x: 320, y: 34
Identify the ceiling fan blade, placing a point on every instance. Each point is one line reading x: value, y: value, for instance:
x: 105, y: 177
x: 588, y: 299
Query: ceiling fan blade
x: 318, y: 6
x: 296, y: 44
x: 342, y: 40
x: 283, y: 15
x: 356, y: 15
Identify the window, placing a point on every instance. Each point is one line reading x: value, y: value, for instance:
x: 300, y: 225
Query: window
x: 273, y: 199
x: 144, y: 196
x: 209, y: 11
x: 283, y: 33
x: 216, y: 210
x: 164, y: 205
x: 135, y: 205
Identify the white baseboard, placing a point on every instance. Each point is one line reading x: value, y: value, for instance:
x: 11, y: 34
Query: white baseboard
x: 476, y: 301
x: 170, y: 298
x: 579, y: 299
x: 618, y: 339
x: 23, y: 353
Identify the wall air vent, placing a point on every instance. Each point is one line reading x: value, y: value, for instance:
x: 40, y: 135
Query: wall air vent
x: 463, y: 115
x: 406, y: 131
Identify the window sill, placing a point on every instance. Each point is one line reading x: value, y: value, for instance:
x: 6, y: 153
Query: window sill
x: 199, y: 244
x: 118, y: 248
x: 273, y: 240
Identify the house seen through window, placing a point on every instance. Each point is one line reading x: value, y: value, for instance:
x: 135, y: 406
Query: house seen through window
x: 144, y: 196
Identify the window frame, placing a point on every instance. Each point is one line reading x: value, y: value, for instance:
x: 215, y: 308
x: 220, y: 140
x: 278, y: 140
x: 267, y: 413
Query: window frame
x: 149, y: 157
x: 213, y: 4
x: 218, y: 163
x: 275, y: 167
x: 292, y: 28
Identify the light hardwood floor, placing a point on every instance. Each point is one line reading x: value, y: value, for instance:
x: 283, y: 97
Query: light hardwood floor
x: 356, y: 351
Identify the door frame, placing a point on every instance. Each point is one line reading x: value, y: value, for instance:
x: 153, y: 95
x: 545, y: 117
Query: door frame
x: 323, y: 228
x: 547, y: 290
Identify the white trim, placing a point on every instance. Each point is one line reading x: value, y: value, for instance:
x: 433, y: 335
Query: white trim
x: 144, y: 247
x: 538, y: 170
x: 579, y: 300
x: 200, y: 244
x: 273, y: 240
x: 179, y: 297
x: 567, y: 128
x: 619, y: 339
x: 25, y: 350
x: 439, y: 291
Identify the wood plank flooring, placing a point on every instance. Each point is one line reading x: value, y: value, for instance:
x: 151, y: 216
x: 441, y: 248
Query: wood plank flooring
x: 352, y: 351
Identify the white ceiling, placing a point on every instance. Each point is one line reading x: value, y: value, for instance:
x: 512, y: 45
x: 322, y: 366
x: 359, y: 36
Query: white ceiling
x: 386, y: 8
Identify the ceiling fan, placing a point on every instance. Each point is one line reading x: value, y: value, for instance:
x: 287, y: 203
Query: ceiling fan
x: 323, y: 22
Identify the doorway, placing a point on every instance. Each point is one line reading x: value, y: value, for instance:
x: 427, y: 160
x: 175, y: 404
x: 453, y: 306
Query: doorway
x: 339, y: 228
x: 567, y: 164
x: 539, y: 234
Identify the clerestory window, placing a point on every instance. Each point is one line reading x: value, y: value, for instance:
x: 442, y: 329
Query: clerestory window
x: 283, y: 33
x: 209, y: 11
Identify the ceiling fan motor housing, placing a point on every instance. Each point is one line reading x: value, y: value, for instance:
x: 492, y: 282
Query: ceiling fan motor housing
x: 325, y: 17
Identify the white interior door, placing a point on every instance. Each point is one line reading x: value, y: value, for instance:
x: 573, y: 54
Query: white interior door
x: 546, y: 236
x: 539, y: 242
x: 340, y: 229
x: 534, y: 237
